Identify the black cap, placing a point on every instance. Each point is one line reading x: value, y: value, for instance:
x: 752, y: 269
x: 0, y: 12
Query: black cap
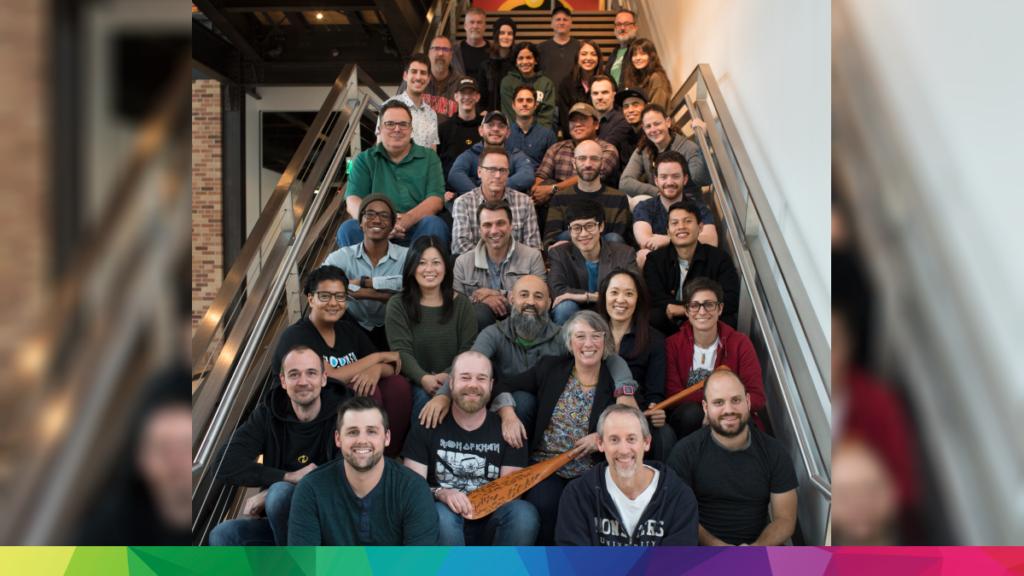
x: 630, y: 92
x: 559, y: 7
x: 503, y: 21
x: 468, y: 82
x: 495, y: 114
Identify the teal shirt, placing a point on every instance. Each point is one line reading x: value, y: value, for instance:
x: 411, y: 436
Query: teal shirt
x: 592, y: 269
x: 408, y: 183
x: 399, y: 511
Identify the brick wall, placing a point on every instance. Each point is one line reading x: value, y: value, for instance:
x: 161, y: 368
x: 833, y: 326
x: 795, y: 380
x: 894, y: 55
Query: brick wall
x: 207, y: 219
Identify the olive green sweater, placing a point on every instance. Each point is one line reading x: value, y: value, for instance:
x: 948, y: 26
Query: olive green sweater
x: 429, y: 346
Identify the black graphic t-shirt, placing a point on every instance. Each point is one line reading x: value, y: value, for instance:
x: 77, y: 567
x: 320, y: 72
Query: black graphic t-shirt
x: 350, y: 343
x: 461, y: 460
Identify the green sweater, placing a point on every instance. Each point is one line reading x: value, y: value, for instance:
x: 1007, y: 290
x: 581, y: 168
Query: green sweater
x: 399, y: 511
x: 429, y: 346
x: 544, y: 114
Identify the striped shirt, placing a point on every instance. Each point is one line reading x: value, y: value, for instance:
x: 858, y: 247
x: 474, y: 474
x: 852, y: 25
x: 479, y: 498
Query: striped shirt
x: 617, y: 217
x: 466, y: 231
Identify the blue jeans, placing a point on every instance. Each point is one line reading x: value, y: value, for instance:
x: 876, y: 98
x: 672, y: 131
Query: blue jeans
x: 515, y: 523
x: 350, y: 234
x: 269, y: 531
x: 419, y: 400
x: 561, y: 313
x: 609, y: 237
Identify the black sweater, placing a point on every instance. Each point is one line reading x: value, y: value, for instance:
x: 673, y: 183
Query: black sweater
x: 587, y: 515
x: 267, y: 432
x: 457, y: 136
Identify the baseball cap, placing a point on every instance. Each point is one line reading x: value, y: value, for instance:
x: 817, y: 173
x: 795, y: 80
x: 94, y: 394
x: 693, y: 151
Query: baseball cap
x: 582, y: 108
x: 495, y: 114
x: 563, y: 9
x: 630, y: 92
x: 468, y: 83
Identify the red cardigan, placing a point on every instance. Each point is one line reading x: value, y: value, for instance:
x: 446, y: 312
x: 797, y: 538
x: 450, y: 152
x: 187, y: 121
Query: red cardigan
x: 735, y: 351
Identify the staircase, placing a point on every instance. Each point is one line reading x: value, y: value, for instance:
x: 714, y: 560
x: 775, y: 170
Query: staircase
x: 535, y: 26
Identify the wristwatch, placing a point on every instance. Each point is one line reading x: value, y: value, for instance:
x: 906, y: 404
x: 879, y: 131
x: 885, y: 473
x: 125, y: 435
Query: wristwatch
x: 366, y: 282
x: 554, y: 189
x: 626, y: 390
x: 434, y: 491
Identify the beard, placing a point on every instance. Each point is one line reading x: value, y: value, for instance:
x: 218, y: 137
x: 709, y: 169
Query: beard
x: 716, y: 425
x: 471, y: 406
x: 351, y: 458
x: 630, y: 472
x: 587, y: 175
x: 529, y: 326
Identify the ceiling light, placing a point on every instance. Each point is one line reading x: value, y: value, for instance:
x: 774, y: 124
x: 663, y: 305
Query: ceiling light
x: 319, y: 16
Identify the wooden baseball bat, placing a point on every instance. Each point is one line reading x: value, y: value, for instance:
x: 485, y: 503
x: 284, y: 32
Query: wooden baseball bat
x: 489, y: 497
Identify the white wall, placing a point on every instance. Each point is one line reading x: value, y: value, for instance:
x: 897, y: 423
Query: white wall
x: 772, y: 62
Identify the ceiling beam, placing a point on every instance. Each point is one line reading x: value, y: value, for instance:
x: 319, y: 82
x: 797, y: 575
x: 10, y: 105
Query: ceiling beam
x: 404, y: 21
x: 229, y: 29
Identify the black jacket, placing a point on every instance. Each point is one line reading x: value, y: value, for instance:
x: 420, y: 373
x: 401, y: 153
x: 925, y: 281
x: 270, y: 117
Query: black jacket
x: 587, y: 515
x: 456, y: 136
x: 569, y: 268
x: 661, y: 272
x: 568, y: 93
x: 547, y: 380
x: 491, y: 73
x: 267, y: 432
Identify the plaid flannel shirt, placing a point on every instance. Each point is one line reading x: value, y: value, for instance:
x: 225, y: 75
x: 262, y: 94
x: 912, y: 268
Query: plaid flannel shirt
x: 466, y: 231
x: 559, y: 163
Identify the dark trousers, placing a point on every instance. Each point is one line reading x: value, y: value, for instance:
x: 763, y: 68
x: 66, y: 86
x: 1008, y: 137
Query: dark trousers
x: 485, y: 316
x: 545, y: 497
x: 685, y: 419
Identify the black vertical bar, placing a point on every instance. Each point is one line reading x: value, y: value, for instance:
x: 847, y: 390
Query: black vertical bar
x: 65, y: 132
x: 233, y: 171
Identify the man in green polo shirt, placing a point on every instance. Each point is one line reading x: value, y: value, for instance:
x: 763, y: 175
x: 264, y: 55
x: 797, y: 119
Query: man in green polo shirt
x: 407, y: 173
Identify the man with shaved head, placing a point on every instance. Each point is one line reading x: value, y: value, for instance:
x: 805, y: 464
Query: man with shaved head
x: 514, y: 345
x: 466, y: 452
x: 736, y: 471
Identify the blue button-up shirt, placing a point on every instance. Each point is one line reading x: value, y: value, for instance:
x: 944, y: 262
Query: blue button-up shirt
x: 387, y: 275
x: 534, y: 143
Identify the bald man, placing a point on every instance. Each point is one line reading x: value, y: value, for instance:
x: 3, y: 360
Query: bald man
x: 514, y: 345
x: 618, y: 220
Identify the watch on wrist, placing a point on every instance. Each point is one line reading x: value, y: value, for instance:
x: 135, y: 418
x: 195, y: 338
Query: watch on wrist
x: 554, y: 189
x: 626, y: 390
x: 434, y: 491
x: 363, y: 282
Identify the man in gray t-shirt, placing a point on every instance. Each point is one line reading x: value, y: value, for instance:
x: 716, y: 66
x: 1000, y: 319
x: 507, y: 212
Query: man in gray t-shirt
x: 558, y: 54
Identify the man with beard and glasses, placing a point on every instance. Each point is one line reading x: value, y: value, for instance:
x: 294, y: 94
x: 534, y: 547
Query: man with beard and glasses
x: 488, y: 273
x: 736, y: 471
x: 626, y: 501
x: 515, y: 345
x: 466, y: 452
x: 362, y: 499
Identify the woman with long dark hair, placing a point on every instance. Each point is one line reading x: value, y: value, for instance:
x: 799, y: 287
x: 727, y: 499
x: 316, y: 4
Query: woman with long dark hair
x: 644, y: 70
x: 495, y: 68
x: 429, y: 324
x: 625, y: 303
x: 576, y: 86
x: 527, y: 71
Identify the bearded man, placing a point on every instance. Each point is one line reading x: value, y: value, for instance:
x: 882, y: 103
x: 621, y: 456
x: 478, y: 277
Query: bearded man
x: 466, y: 452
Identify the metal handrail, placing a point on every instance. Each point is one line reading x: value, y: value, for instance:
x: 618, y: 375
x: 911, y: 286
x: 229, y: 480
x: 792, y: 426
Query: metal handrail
x: 435, y: 25
x: 220, y: 416
x: 746, y: 267
x: 704, y: 79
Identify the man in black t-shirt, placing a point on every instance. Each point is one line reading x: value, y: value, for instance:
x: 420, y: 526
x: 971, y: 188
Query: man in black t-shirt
x: 465, y: 452
x: 736, y: 471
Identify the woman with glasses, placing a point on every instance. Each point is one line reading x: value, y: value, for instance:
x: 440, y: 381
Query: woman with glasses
x: 571, y: 392
x: 576, y: 86
x: 527, y: 71
x: 494, y: 69
x: 701, y: 345
x: 429, y: 324
x: 348, y: 354
x: 624, y: 302
x: 643, y: 69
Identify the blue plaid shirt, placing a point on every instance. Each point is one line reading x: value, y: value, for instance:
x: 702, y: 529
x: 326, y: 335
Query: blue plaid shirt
x: 534, y: 144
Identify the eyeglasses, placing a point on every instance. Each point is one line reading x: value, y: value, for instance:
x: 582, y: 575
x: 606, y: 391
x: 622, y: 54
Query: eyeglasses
x: 370, y: 216
x: 595, y: 337
x: 589, y: 227
x: 493, y: 170
x: 695, y: 307
x: 326, y: 296
x: 594, y: 159
x: 441, y: 49
x: 403, y: 126
x: 624, y: 25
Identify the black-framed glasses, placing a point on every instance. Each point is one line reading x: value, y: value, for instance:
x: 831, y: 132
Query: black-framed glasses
x: 371, y: 215
x: 391, y: 125
x: 495, y: 170
x: 695, y: 307
x: 326, y: 296
x: 624, y: 25
x: 589, y: 227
